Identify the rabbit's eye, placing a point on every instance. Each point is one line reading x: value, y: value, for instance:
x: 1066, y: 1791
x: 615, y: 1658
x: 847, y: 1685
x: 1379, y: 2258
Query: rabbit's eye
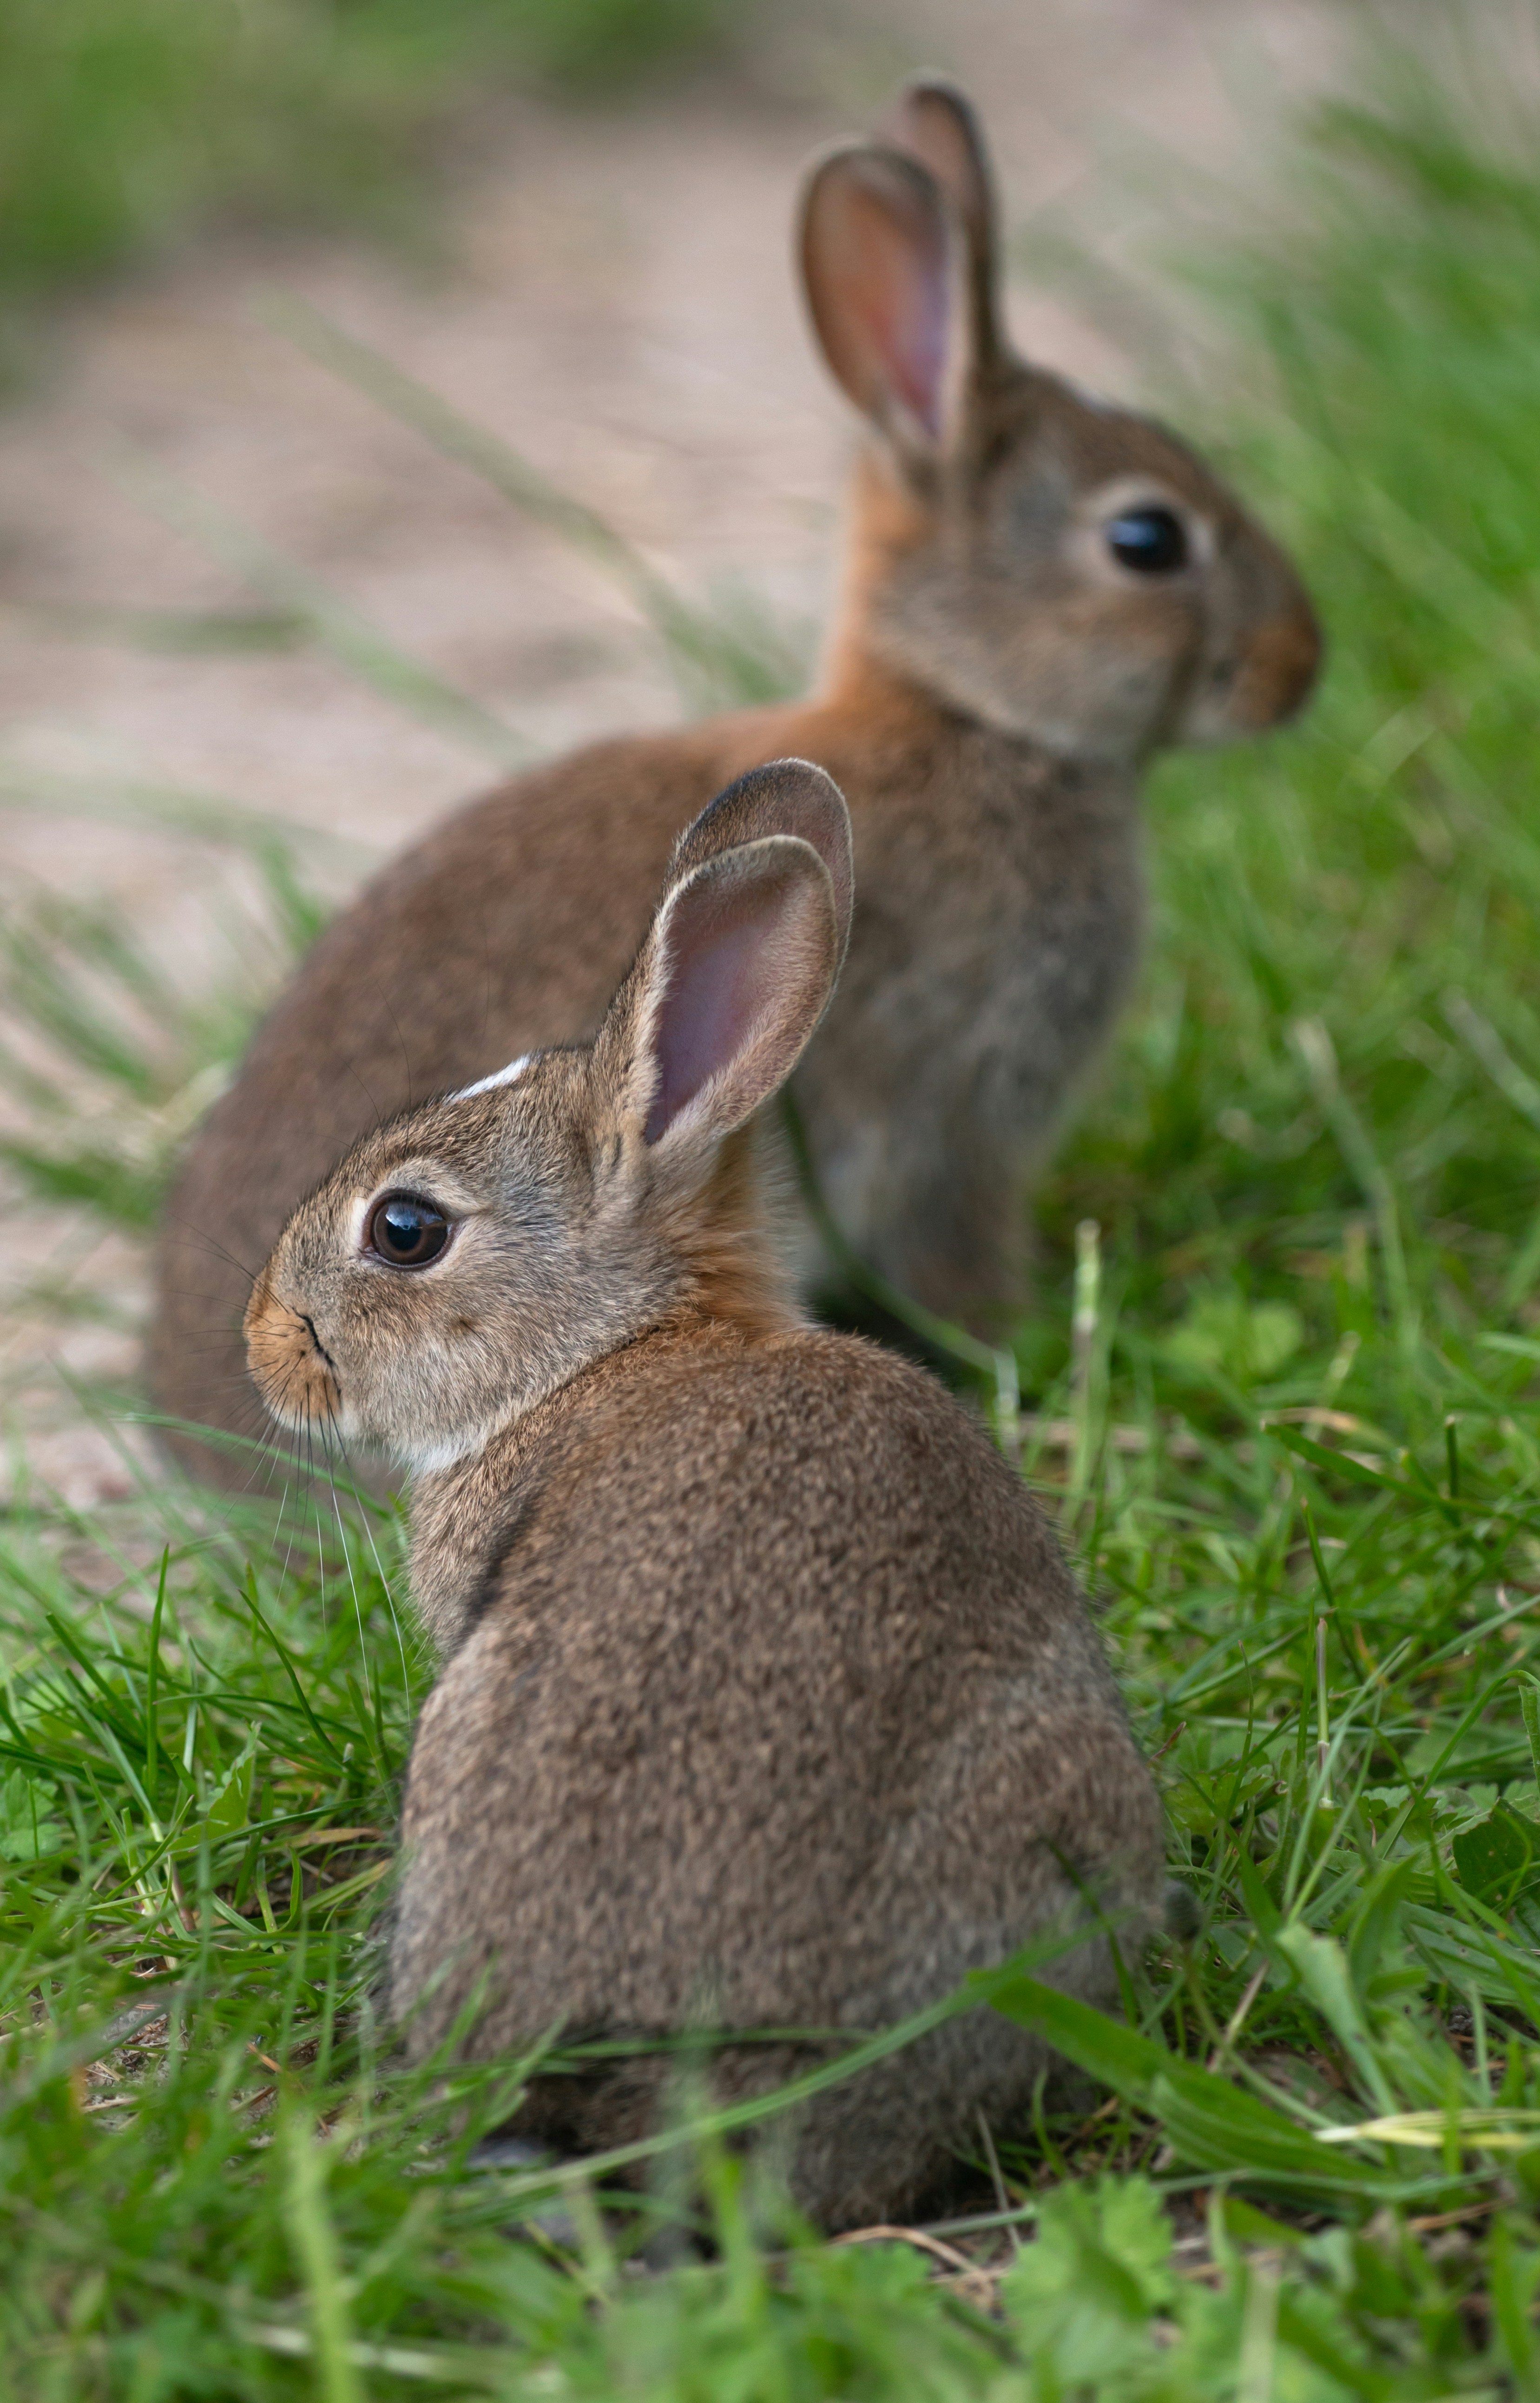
x: 406, y: 1231
x: 1152, y: 541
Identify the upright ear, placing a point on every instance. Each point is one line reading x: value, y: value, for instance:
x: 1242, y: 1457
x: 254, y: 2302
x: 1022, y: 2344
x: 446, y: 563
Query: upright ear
x: 726, y: 989
x: 788, y: 797
x: 935, y: 121
x: 886, y: 268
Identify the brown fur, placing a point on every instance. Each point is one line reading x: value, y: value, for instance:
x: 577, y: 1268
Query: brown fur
x: 993, y: 686
x: 770, y: 1696
x: 767, y: 1695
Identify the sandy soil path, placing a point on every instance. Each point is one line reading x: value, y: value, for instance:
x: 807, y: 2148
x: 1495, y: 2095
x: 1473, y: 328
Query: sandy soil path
x: 620, y: 305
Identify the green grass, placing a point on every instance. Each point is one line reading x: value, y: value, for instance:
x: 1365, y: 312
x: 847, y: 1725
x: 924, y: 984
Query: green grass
x: 1296, y: 1445
x: 124, y: 122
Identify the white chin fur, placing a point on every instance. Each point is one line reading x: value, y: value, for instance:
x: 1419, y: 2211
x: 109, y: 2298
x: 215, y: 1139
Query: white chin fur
x: 426, y: 1459
x: 509, y: 1076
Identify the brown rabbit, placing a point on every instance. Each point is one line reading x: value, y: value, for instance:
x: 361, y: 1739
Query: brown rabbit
x: 766, y: 1689
x: 1041, y: 591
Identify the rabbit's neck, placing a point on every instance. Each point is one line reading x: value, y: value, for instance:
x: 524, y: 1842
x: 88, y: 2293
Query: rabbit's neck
x: 467, y: 1520
x: 464, y: 1520
x: 734, y: 1241
x: 884, y: 524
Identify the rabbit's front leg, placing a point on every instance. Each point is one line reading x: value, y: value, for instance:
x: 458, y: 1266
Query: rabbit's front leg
x: 951, y: 1229
x: 937, y: 1208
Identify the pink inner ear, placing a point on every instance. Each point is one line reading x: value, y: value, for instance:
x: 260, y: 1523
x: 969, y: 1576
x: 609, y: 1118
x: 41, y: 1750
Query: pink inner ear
x: 719, y: 979
x: 893, y: 267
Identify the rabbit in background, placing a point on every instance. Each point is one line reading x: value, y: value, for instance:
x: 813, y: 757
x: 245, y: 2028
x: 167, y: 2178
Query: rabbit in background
x: 763, y: 1678
x: 1040, y: 592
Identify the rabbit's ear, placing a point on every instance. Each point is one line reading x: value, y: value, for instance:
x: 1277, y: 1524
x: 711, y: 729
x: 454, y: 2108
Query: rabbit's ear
x: 886, y: 271
x: 788, y: 797
x: 726, y: 989
x: 935, y: 121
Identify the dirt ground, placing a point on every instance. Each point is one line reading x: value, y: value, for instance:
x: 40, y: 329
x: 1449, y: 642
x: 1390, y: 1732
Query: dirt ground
x: 616, y: 299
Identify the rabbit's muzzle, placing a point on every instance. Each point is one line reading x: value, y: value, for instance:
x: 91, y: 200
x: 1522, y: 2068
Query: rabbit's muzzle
x: 288, y: 1366
x: 1276, y: 672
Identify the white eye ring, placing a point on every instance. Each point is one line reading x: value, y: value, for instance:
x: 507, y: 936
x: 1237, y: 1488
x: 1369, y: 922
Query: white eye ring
x: 1133, y: 497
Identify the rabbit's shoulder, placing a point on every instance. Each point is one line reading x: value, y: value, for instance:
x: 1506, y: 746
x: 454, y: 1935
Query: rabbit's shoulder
x: 813, y: 1481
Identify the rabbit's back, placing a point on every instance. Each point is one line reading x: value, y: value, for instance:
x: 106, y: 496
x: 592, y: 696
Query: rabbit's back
x: 780, y: 1695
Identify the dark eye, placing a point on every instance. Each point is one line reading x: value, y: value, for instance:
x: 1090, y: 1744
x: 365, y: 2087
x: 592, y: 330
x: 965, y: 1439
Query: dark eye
x: 1153, y: 541
x: 405, y: 1231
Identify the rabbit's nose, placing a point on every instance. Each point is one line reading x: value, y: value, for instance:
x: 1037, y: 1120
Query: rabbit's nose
x: 289, y: 1366
x: 1276, y: 671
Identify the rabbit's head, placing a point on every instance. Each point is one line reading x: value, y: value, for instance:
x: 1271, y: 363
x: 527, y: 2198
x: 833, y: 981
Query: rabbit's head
x: 467, y: 1259
x: 1060, y: 569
